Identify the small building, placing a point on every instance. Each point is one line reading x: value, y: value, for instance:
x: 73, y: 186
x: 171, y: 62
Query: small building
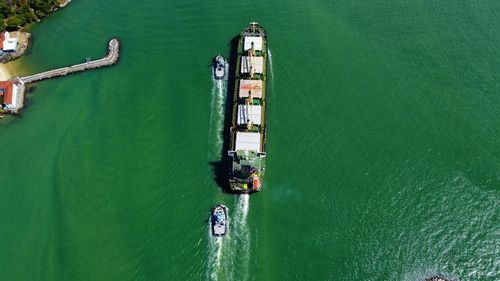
x: 9, y: 44
x: 2, y: 38
x: 9, y: 95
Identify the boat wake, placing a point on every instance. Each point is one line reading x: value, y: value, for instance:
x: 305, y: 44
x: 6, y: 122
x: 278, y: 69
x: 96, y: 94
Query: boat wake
x: 217, y: 116
x: 271, y: 72
x: 215, y: 254
x: 230, y: 256
x: 240, y: 238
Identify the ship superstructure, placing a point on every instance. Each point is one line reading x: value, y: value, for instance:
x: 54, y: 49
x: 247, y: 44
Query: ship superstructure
x: 248, y: 127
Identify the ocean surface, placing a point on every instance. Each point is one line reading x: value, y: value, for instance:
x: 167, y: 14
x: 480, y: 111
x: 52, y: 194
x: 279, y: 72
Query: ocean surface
x: 383, y: 145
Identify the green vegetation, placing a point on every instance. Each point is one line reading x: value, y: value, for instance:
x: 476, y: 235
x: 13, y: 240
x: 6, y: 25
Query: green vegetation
x: 16, y: 13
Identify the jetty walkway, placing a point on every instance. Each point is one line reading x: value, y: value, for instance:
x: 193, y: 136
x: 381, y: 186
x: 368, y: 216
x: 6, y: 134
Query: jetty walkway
x: 110, y: 59
x: 19, y: 94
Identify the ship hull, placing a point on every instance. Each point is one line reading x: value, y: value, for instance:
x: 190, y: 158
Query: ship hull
x: 247, y: 149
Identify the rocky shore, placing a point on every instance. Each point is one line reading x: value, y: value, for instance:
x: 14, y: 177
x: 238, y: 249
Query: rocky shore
x: 24, y: 39
x: 8, y: 70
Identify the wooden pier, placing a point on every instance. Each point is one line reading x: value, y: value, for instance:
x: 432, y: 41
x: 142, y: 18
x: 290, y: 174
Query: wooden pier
x: 110, y: 59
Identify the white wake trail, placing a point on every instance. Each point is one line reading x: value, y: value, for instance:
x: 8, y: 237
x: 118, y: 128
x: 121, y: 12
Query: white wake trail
x: 271, y: 71
x: 215, y: 255
x: 218, y: 102
x: 242, y: 207
x: 240, y: 238
x: 218, y: 261
x: 229, y: 256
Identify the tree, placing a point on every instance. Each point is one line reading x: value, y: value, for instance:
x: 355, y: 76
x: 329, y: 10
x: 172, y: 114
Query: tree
x: 2, y: 23
x: 14, y: 22
x: 4, y: 9
x: 21, y: 12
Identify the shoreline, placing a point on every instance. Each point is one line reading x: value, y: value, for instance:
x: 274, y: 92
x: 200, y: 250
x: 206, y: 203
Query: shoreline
x: 23, y: 44
x: 6, y: 71
x: 15, y: 86
x: 11, y: 69
x: 6, y: 68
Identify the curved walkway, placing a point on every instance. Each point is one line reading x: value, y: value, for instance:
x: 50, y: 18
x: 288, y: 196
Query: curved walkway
x: 110, y: 59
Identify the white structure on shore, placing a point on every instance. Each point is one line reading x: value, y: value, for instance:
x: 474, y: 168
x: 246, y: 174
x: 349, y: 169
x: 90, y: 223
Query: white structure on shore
x: 9, y: 44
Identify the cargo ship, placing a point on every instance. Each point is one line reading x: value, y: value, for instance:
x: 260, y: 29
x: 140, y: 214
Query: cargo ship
x: 247, y: 145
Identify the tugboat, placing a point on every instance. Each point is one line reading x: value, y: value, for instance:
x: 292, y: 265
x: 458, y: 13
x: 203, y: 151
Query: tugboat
x: 219, y: 221
x: 219, y: 67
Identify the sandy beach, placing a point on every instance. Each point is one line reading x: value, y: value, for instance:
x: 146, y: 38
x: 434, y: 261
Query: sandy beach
x: 10, y: 68
x: 6, y: 71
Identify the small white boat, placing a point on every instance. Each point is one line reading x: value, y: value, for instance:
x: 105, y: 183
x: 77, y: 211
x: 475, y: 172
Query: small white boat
x: 219, y: 67
x: 219, y: 220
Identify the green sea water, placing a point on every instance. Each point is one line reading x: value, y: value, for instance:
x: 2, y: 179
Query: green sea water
x: 383, y: 145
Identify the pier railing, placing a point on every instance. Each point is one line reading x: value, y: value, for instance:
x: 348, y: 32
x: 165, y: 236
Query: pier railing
x: 110, y: 59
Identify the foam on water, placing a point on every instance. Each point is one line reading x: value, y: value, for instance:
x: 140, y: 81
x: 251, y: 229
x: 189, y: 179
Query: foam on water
x: 229, y: 256
x: 271, y: 72
x: 215, y: 253
x: 243, y: 202
x: 240, y: 238
x: 218, y: 101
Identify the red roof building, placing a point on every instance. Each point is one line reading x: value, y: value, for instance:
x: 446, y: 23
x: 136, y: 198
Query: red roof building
x: 2, y: 37
x: 7, y: 91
